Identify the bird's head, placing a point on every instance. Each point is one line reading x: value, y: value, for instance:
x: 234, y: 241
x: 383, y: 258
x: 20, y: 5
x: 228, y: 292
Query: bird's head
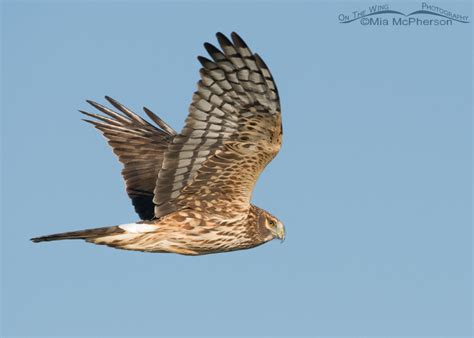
x: 269, y: 226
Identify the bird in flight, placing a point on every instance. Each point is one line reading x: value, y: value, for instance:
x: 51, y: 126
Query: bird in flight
x: 192, y: 190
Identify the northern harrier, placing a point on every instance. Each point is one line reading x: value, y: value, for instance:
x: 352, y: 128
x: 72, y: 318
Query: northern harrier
x: 192, y: 190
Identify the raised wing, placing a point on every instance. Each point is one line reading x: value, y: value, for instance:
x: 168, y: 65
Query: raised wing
x: 231, y: 133
x: 139, y: 145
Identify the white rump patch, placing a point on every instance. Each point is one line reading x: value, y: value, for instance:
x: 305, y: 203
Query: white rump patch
x: 138, y: 228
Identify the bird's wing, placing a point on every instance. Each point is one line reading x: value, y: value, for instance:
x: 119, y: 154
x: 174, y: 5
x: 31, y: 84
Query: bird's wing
x: 232, y: 132
x: 139, y: 145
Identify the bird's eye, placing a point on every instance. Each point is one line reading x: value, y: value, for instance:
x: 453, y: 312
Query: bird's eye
x: 272, y: 223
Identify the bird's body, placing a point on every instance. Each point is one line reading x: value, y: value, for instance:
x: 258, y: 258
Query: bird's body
x: 192, y: 189
x: 186, y: 232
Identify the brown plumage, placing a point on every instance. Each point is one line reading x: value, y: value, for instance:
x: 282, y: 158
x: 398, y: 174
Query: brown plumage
x: 192, y: 190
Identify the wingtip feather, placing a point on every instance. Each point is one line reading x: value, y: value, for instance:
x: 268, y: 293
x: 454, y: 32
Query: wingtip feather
x: 162, y: 124
x: 238, y: 41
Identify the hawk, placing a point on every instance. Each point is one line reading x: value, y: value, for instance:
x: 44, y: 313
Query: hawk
x: 192, y: 190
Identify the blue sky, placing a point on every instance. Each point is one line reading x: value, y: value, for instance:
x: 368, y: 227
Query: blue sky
x: 373, y: 181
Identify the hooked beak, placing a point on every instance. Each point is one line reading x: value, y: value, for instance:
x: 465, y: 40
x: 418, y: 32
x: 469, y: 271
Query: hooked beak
x: 280, y: 231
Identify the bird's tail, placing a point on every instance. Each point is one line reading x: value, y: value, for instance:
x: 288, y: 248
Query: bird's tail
x: 88, y: 234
